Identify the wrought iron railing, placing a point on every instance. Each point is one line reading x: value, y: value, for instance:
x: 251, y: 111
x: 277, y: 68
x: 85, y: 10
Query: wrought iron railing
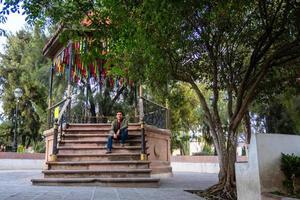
x: 155, y: 114
x: 84, y: 119
x: 59, y: 120
x: 83, y: 115
x: 150, y: 113
x: 51, y: 110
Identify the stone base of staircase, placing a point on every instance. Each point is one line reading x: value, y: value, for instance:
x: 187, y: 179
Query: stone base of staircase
x: 104, y: 182
x: 82, y: 160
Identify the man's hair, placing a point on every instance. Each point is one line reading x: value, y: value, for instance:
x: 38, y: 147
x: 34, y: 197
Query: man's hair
x: 120, y: 111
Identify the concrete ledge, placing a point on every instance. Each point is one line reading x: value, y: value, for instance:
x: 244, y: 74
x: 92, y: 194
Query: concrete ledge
x: 21, y: 164
x: 195, y: 167
x: 202, y: 159
x: 21, y: 161
x: 200, y: 164
x: 13, y: 155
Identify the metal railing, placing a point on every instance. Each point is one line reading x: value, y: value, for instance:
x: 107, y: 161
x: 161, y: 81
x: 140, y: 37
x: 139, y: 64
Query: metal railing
x: 85, y: 119
x: 150, y: 113
x: 155, y: 114
x: 58, y: 122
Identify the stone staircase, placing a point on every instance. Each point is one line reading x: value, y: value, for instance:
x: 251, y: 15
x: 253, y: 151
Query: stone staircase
x: 82, y: 159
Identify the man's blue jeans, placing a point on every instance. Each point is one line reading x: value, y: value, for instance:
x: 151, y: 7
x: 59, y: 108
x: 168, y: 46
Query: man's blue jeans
x: 123, y: 136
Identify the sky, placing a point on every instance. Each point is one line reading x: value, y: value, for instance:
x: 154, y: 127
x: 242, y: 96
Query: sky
x: 14, y: 23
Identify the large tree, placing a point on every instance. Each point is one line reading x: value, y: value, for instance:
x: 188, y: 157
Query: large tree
x: 20, y: 67
x: 184, y: 116
x: 232, y: 47
x: 229, y: 46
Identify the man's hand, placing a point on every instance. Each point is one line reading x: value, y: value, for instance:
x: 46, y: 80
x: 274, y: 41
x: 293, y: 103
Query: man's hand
x: 116, y: 135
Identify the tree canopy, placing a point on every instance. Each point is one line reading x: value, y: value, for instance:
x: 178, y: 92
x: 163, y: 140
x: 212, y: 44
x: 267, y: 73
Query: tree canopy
x: 240, y: 51
x: 22, y: 66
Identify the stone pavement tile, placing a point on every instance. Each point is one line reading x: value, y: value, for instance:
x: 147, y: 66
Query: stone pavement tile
x: 79, y: 194
x: 176, y: 194
x: 150, y: 194
x: 105, y: 194
x: 6, y: 195
x: 16, y: 185
x: 189, y: 180
x: 166, y: 194
x: 64, y: 193
x: 50, y: 196
x: 128, y: 194
x: 22, y: 196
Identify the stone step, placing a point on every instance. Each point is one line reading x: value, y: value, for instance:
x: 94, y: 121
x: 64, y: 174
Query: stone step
x: 104, y: 182
x: 98, y: 157
x: 100, y: 126
x: 107, y: 173
x: 98, y: 165
x: 96, y: 131
x: 98, y: 150
x: 98, y: 142
x: 82, y: 159
x: 115, y: 145
x: 94, y: 134
x: 89, y: 136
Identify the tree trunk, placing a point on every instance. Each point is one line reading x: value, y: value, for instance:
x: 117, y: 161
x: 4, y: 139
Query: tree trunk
x: 225, y: 143
x: 93, y: 112
x: 92, y: 104
x: 247, y: 127
x: 226, y: 187
x: 28, y: 143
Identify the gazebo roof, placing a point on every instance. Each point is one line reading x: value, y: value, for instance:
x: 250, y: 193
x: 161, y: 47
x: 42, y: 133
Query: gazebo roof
x: 53, y: 45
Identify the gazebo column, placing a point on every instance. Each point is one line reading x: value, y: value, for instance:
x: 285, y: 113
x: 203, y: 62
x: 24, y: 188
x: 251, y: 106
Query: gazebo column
x: 141, y: 103
x: 69, y: 90
x: 50, y: 95
x: 141, y: 118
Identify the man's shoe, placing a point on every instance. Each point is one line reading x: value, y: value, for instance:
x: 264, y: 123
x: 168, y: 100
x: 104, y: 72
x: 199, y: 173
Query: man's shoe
x: 122, y: 145
x: 108, y: 151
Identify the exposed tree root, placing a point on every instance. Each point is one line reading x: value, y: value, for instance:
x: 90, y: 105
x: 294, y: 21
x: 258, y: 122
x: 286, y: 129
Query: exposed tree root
x: 219, y: 192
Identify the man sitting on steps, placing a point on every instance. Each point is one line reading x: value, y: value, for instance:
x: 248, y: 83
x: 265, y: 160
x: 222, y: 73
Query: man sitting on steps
x: 119, y: 130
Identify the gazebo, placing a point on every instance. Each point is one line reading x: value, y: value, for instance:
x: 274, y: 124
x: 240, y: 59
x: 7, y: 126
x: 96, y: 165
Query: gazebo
x: 78, y: 122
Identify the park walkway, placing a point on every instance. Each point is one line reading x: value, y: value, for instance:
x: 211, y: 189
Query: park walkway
x: 16, y: 185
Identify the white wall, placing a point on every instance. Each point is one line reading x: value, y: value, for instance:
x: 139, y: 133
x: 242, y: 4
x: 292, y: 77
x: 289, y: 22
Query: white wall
x: 262, y: 173
x: 195, y: 167
x: 247, y: 176
x: 195, y: 147
x: 21, y: 164
x: 269, y: 148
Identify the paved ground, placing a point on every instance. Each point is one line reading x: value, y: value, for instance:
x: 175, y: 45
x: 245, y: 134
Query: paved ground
x: 16, y: 185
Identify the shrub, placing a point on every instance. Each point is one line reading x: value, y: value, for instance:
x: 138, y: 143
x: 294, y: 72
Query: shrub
x: 21, y: 149
x: 290, y: 166
x: 207, y: 150
x: 39, y: 147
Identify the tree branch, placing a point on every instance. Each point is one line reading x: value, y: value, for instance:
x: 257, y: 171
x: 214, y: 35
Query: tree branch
x: 282, y: 51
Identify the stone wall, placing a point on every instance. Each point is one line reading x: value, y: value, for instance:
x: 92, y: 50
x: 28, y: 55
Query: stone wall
x: 159, y: 149
x: 49, y: 145
x: 30, y: 156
